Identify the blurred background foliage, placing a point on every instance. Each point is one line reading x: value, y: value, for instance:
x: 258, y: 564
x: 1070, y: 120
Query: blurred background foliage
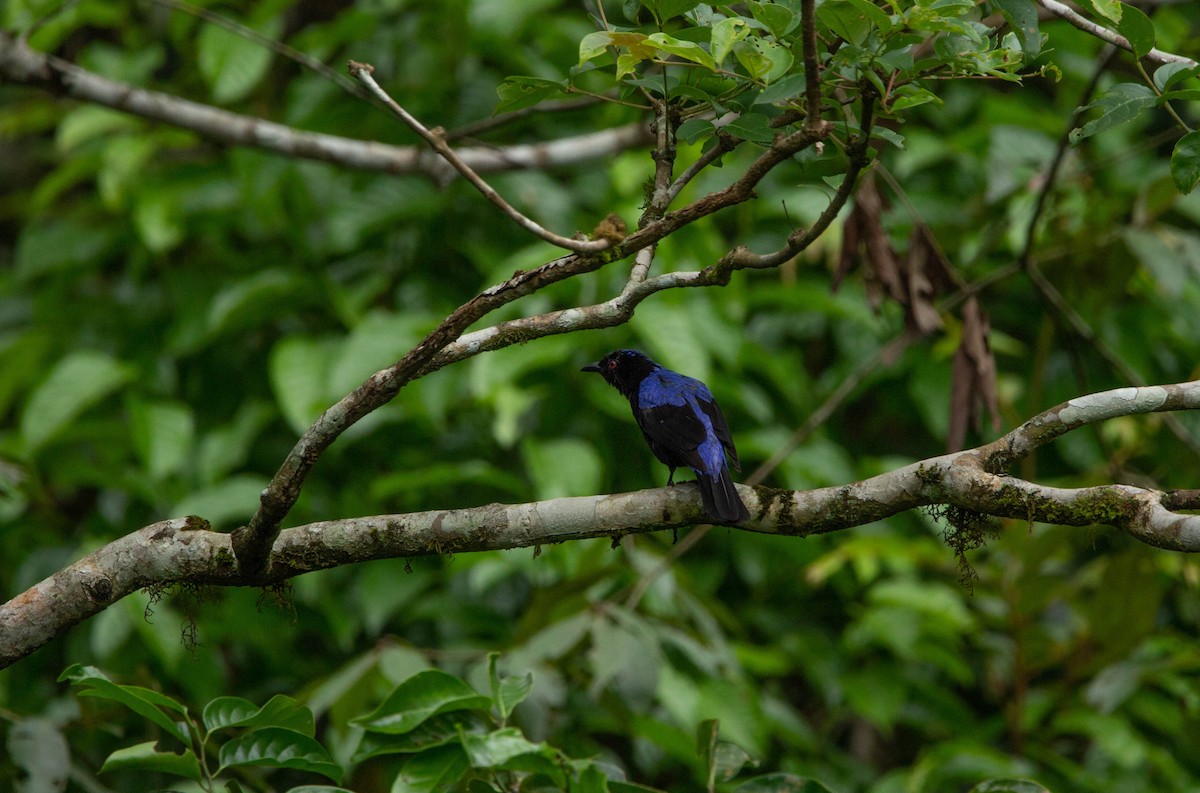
x: 174, y: 312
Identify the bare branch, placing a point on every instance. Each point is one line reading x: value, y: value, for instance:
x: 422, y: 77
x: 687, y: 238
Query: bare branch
x: 183, y: 550
x: 1099, y: 31
x: 22, y: 65
x: 436, y: 138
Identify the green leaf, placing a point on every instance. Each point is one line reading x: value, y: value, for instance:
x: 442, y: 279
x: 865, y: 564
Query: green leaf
x: 435, y: 731
x: 299, y: 372
x: 911, y: 95
x: 878, y: 18
x: 1185, y: 162
x: 1170, y: 73
x: 781, y: 783
x: 688, y: 50
x: 144, y: 757
x: 775, y: 17
x: 593, y: 45
x: 62, y: 245
x: 76, y: 382
x: 763, y: 60
x: 143, y: 701
x: 1186, y: 94
x: 754, y: 127
x: 158, y: 220
x: 280, y: 711
x: 494, y: 749
x: 245, y: 302
x: 790, y: 87
x: 724, y: 35
x: 1009, y: 786
x: 520, y: 92
x: 508, y: 691
x: 1022, y: 17
x: 421, y: 696
x: 1109, y: 9
x: 433, y: 771
x: 233, y: 499
x: 1135, y: 26
x: 230, y: 64
x: 90, y: 122
x: 562, y: 467
x: 38, y: 749
x: 318, y: 789
x: 162, y: 434
x: 1120, y: 104
x: 695, y: 129
x: 276, y: 747
x: 844, y: 20
x: 664, y: 10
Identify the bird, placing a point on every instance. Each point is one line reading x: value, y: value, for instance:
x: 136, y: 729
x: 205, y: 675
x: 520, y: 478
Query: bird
x: 682, y: 424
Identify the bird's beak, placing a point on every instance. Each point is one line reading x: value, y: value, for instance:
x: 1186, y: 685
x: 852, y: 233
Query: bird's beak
x: 591, y: 367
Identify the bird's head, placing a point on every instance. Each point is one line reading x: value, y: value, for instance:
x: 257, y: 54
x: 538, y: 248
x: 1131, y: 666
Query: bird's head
x: 624, y: 370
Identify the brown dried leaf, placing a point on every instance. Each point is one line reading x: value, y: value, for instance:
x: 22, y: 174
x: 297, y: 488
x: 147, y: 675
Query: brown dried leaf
x: 928, y: 277
x: 973, y: 383
x: 865, y: 240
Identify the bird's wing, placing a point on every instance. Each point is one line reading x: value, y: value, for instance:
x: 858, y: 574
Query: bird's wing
x: 720, y: 428
x: 668, y: 419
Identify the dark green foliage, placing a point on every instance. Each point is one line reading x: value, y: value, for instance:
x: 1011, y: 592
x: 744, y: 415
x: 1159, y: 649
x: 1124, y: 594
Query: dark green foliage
x: 173, y: 313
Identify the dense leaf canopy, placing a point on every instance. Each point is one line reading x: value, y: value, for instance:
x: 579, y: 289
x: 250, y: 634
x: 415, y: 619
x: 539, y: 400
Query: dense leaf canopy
x: 177, y: 307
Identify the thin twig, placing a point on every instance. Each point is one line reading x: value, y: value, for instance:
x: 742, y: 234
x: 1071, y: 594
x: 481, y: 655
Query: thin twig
x: 1099, y: 31
x: 812, y: 73
x: 437, y: 141
x: 483, y: 125
x: 724, y: 144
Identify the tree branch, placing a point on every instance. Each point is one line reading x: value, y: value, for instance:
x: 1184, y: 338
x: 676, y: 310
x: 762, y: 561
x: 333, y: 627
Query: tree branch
x: 21, y: 65
x: 252, y: 542
x: 1064, y: 11
x: 812, y: 65
x: 436, y: 138
x: 184, y: 550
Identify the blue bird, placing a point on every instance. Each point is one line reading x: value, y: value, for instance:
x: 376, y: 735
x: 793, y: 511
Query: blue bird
x: 682, y: 424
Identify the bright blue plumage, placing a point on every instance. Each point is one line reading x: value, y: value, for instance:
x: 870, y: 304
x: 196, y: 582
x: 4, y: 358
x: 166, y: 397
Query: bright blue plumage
x: 682, y: 424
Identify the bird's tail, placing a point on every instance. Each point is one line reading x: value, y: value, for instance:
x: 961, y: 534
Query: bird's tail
x: 722, y: 504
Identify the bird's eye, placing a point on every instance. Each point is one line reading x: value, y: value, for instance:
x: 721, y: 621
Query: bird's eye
x: 612, y: 364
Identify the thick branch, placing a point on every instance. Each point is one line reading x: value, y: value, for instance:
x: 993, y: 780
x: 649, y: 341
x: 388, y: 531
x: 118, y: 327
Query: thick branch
x: 184, y: 550
x: 22, y: 65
